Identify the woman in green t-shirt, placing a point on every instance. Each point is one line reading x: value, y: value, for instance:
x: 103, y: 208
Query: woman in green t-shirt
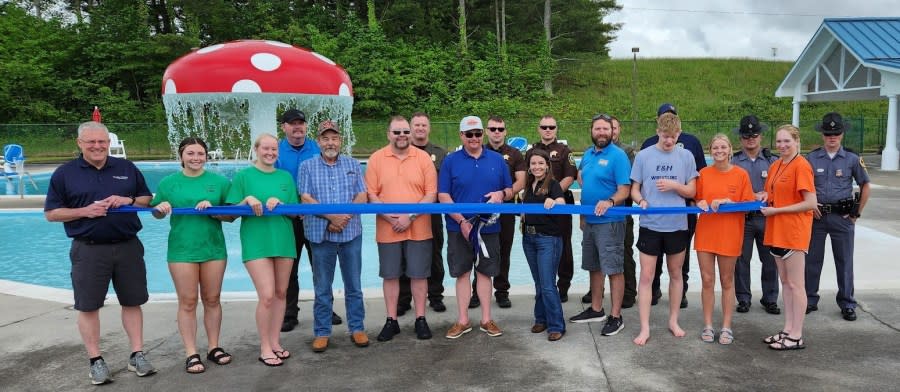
x: 196, y: 251
x: 267, y: 241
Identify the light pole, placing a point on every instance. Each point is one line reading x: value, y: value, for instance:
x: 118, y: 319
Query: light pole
x: 634, y: 114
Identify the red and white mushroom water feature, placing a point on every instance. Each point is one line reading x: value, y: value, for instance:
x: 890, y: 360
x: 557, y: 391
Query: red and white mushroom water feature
x: 230, y: 93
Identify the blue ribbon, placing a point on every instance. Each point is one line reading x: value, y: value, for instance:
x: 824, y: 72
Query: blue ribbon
x: 441, y: 208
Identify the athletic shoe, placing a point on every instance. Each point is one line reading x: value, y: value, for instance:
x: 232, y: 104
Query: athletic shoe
x: 613, y: 326
x: 589, y: 316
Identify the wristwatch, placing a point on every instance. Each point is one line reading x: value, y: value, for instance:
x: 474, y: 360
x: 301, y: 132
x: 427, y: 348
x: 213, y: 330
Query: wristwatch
x: 412, y: 217
x: 611, y: 200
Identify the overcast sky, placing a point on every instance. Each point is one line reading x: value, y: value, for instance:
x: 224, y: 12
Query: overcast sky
x: 733, y: 28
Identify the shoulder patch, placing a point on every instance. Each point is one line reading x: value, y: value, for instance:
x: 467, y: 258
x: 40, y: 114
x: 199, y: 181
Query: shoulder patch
x: 571, y: 160
x: 862, y: 163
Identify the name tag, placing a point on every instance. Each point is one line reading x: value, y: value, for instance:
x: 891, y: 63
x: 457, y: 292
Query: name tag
x: 120, y: 177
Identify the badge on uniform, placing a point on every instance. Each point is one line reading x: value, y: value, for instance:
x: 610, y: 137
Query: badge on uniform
x: 603, y: 162
x: 765, y: 174
x: 553, y: 154
x: 505, y: 157
x: 838, y: 173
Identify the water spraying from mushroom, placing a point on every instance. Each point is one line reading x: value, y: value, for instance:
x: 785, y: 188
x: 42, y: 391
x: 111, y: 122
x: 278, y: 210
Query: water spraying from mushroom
x: 228, y: 94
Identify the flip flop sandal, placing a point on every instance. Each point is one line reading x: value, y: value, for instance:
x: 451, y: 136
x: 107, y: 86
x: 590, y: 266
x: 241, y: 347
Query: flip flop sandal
x: 219, y: 356
x: 192, y: 361
x: 775, y: 338
x: 782, y: 344
x: 726, y: 336
x: 708, y: 335
x: 266, y: 362
x: 282, y: 355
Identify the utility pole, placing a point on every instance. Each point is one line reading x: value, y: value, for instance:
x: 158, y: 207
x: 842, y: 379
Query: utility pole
x: 634, y: 113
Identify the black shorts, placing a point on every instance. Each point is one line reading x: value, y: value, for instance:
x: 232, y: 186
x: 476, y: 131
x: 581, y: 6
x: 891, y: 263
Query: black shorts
x: 656, y: 243
x: 461, y: 258
x: 94, y: 265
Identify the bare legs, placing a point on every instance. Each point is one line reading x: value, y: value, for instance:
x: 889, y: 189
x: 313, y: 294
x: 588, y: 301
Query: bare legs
x: 676, y: 283
x: 791, y: 270
x: 484, y: 286
x: 270, y: 277
x: 726, y: 264
x: 209, y: 276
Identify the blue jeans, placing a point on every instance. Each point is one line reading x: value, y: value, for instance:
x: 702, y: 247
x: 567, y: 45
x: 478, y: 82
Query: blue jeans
x: 323, y: 259
x: 543, y: 253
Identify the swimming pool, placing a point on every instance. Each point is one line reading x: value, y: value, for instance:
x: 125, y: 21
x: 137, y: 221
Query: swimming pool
x: 153, y: 173
x: 37, y: 252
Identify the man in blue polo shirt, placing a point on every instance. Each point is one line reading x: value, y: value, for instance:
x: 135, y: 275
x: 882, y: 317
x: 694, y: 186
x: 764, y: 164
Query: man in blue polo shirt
x: 604, y: 176
x: 293, y: 149
x: 473, y: 175
x: 104, y: 246
x: 692, y: 144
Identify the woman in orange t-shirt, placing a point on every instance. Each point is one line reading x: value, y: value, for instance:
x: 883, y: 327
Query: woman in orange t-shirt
x: 791, y: 194
x: 719, y: 237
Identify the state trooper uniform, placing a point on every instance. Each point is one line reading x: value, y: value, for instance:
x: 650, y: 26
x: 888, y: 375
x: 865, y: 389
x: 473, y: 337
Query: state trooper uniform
x: 834, y: 177
x: 755, y: 225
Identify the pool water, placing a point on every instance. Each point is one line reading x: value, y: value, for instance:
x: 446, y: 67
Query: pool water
x: 37, y: 252
x: 153, y: 173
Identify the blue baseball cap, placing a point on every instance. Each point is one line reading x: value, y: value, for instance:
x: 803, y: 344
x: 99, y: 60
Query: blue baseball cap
x: 666, y: 108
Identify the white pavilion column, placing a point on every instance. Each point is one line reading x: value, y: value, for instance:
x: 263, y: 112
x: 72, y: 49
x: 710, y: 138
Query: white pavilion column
x: 890, y: 157
x: 795, y: 117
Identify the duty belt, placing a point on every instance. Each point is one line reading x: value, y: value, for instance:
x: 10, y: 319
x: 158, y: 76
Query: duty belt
x: 842, y: 207
x: 529, y: 229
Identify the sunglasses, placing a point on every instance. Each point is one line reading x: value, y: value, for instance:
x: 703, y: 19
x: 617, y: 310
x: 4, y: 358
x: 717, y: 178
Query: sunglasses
x: 826, y: 134
x: 398, y: 132
x: 751, y: 136
x: 602, y: 117
x: 471, y: 134
x: 496, y: 129
x: 546, y: 127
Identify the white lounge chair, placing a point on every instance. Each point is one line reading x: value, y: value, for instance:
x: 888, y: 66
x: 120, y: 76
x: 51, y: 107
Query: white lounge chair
x: 116, y: 146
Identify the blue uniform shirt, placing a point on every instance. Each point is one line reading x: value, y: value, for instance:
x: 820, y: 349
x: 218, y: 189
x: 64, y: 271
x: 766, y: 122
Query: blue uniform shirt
x: 467, y: 179
x: 77, y: 184
x: 602, y: 172
x: 290, y: 157
x: 834, y: 176
x: 758, y: 168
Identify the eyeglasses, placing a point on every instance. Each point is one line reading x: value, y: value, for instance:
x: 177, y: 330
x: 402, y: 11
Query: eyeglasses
x: 603, y: 116
x: 471, y: 134
x: 398, y: 132
x: 750, y: 136
x: 546, y: 127
x: 496, y: 129
x: 97, y: 142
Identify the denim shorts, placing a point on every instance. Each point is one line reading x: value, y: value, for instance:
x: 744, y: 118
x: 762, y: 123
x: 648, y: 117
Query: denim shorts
x: 415, y: 255
x: 656, y: 243
x: 460, y: 257
x: 603, y: 248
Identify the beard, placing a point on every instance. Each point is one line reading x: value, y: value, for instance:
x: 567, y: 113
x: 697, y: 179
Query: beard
x: 600, y: 143
x: 331, y: 153
x: 401, y: 144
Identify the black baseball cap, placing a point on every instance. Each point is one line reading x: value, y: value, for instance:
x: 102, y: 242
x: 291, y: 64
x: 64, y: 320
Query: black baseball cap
x: 291, y: 115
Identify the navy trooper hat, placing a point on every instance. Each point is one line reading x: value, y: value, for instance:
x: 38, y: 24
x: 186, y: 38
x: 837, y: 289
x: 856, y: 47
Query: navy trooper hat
x: 750, y: 125
x: 833, y: 124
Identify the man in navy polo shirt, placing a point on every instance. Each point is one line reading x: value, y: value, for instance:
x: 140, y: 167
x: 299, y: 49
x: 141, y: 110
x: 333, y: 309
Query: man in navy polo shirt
x: 473, y: 175
x: 692, y: 144
x: 104, y: 246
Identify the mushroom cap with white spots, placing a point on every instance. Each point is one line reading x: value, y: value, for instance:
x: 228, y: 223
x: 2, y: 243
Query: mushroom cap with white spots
x: 256, y: 66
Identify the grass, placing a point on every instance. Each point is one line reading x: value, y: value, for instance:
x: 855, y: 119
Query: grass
x: 711, y: 96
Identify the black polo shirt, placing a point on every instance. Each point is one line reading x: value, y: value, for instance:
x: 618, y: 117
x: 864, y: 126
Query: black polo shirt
x: 513, y: 159
x: 77, y: 184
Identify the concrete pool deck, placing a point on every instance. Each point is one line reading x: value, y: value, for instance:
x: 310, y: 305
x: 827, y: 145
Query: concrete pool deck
x: 42, y: 349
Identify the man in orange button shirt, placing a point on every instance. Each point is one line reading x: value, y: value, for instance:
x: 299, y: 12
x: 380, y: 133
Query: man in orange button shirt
x: 400, y: 174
